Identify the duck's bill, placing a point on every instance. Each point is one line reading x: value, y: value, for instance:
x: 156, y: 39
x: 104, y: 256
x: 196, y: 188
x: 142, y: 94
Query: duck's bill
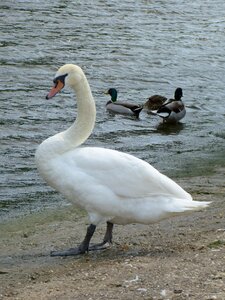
x: 55, y: 90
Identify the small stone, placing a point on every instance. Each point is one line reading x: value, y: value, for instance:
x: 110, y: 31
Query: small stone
x: 177, y: 291
x: 142, y: 290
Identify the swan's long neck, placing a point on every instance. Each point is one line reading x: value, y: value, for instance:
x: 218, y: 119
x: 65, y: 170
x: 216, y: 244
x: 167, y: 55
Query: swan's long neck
x: 75, y: 135
x: 86, y: 112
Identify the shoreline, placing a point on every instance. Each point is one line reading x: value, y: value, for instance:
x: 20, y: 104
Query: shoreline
x: 178, y: 258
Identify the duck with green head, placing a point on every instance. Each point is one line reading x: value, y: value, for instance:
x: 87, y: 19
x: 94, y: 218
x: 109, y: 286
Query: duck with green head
x: 119, y: 107
x: 173, y: 110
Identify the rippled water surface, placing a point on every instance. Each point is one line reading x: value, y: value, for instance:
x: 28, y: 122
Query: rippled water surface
x: 140, y: 48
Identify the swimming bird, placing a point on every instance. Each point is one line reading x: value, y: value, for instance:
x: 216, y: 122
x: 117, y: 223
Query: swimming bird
x: 119, y: 107
x: 112, y: 186
x: 154, y: 102
x: 173, y: 110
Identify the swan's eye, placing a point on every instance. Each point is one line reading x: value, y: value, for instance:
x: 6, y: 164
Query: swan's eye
x: 55, y: 82
x: 60, y: 78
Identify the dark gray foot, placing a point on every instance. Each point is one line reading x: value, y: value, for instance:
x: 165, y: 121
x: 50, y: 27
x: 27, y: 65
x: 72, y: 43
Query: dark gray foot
x: 100, y: 246
x: 84, y: 246
x: 80, y: 249
x: 107, y: 240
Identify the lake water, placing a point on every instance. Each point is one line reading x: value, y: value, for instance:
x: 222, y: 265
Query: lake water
x: 139, y: 47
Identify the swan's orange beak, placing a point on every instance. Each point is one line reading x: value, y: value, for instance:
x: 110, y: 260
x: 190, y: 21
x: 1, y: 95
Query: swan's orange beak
x: 55, y: 89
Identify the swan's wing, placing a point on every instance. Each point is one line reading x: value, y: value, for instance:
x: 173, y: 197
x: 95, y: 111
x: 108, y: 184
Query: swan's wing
x: 115, y: 186
x: 125, y: 175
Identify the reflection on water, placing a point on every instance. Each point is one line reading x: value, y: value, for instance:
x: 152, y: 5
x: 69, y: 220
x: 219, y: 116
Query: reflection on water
x: 165, y: 128
x: 140, y: 48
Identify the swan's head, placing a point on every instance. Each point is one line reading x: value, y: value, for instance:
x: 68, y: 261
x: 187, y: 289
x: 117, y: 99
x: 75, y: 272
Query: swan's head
x: 68, y: 75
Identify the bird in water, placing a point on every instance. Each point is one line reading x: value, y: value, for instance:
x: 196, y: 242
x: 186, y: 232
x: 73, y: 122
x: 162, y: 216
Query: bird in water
x: 154, y: 102
x: 112, y: 186
x: 173, y: 110
x: 119, y: 107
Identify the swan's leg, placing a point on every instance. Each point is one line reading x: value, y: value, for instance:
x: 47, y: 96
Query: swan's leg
x: 82, y: 248
x: 107, y: 240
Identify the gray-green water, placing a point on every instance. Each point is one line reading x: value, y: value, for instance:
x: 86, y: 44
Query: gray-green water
x: 139, y: 47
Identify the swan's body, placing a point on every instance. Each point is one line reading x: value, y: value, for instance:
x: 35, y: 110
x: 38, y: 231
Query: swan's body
x: 124, y: 108
x: 111, y: 186
x: 173, y: 110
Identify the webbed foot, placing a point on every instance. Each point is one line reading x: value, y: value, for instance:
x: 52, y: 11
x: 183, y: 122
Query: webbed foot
x: 85, y: 245
x: 100, y: 246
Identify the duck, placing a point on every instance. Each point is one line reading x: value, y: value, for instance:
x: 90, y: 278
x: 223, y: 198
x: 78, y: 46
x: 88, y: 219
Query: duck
x: 113, y: 187
x: 154, y: 102
x: 173, y: 110
x: 119, y: 107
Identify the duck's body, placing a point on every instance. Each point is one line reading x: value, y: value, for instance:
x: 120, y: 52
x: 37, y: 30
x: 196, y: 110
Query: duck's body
x: 119, y: 107
x: 154, y: 102
x: 173, y: 110
x: 111, y: 186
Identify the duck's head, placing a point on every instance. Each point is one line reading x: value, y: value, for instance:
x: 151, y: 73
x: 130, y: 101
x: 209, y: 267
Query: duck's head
x: 113, y: 93
x: 68, y: 75
x: 178, y: 94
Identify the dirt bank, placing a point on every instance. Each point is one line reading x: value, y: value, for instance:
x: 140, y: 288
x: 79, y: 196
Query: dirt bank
x: 179, y: 258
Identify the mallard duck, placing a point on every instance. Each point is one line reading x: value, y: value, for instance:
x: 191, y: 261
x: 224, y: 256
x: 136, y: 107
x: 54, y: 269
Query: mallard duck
x: 112, y: 186
x: 119, y: 107
x: 173, y: 110
x: 154, y: 102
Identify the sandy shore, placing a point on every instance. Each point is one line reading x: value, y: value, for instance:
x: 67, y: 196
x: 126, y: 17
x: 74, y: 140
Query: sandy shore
x: 179, y: 258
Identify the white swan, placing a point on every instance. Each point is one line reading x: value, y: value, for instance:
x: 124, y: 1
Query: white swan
x: 111, y: 186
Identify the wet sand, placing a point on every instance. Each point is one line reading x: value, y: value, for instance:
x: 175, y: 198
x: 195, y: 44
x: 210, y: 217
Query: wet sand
x: 179, y: 258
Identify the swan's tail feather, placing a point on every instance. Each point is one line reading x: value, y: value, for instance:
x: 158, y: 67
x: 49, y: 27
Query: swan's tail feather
x: 185, y: 209
x: 194, y: 205
x: 200, y: 204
